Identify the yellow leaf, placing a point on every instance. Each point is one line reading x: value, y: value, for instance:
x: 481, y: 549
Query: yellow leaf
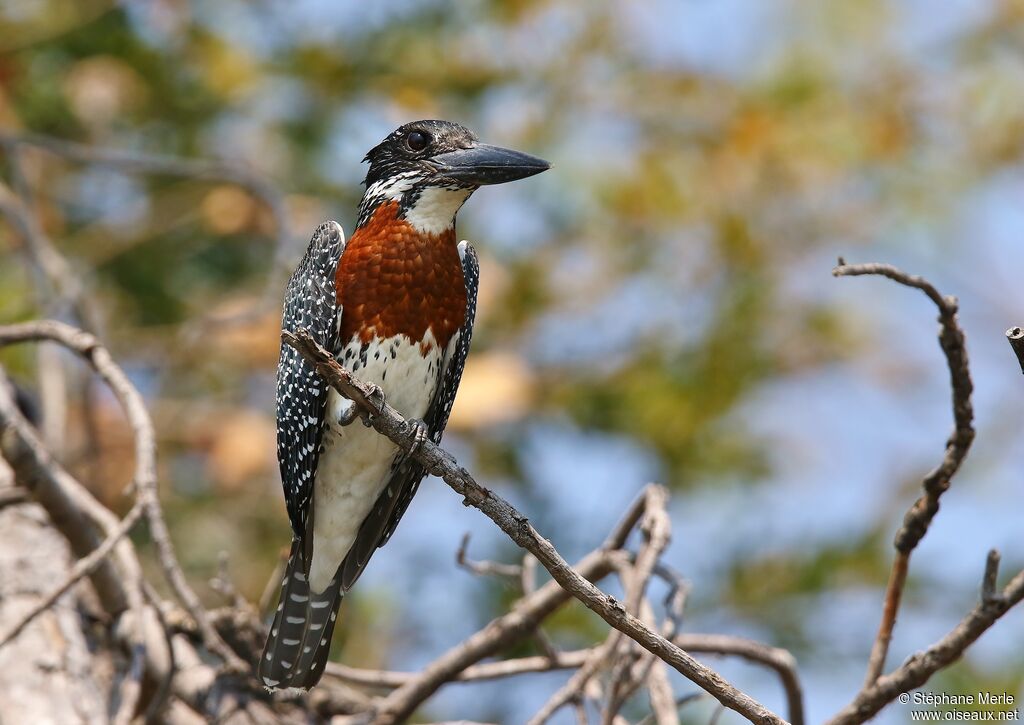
x: 496, y: 388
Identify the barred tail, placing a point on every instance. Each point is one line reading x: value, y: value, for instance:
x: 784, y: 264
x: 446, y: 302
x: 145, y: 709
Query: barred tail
x: 300, y: 637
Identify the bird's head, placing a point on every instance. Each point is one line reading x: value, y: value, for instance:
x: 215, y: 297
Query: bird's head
x: 431, y: 167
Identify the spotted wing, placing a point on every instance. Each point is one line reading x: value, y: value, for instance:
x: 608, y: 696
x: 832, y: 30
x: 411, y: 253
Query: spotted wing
x: 301, y: 393
x: 407, y: 472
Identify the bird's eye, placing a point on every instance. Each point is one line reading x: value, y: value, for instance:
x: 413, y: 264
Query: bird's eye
x: 417, y: 140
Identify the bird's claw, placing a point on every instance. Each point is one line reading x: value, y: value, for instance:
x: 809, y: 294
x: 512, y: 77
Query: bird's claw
x: 419, y: 434
x: 375, y: 396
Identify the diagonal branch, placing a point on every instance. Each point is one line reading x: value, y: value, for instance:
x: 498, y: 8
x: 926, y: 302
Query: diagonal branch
x: 386, y: 420
x: 524, y: 619
x: 919, y: 517
x: 501, y: 632
x: 920, y: 666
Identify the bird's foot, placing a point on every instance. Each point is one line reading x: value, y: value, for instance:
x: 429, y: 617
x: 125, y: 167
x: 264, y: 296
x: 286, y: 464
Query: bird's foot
x: 419, y: 434
x: 375, y: 398
x: 346, y: 412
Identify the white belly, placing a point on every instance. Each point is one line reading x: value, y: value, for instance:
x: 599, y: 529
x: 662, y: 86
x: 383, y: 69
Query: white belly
x: 356, y: 461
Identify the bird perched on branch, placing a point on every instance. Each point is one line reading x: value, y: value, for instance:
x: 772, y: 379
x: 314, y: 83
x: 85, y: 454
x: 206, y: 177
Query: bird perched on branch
x: 395, y: 305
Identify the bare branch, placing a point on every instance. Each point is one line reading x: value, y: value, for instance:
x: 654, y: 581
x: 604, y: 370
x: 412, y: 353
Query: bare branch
x: 71, y: 506
x: 920, y: 515
x: 83, y: 568
x: 55, y: 489
x: 920, y: 666
x: 528, y: 583
x: 524, y: 618
x: 60, y: 278
x: 144, y: 478
x: 659, y: 692
x: 484, y: 568
x: 989, y: 581
x: 13, y: 496
x: 386, y: 679
x: 574, y: 689
x: 643, y: 671
x: 1015, y: 336
x: 890, y: 608
x: 679, y: 703
x: 387, y: 421
x: 780, y: 660
x: 656, y: 528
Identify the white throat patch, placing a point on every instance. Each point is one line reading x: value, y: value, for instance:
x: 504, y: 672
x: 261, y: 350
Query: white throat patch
x: 435, y: 209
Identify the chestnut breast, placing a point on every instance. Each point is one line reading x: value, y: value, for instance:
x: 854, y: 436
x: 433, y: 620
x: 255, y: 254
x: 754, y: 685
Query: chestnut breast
x: 395, y: 280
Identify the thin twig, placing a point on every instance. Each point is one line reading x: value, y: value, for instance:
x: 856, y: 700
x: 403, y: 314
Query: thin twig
x: 63, y: 283
x: 679, y: 703
x: 144, y: 478
x: 656, y: 528
x: 919, y: 517
x: 528, y: 583
x: 500, y: 633
x: 13, y: 496
x: 659, y: 693
x: 646, y: 669
x: 386, y: 679
x: 388, y: 421
x: 82, y: 568
x: 775, y: 658
x: 574, y: 688
x: 523, y: 619
x: 920, y: 666
x: 71, y: 507
x: 203, y: 169
x: 1015, y: 336
x: 510, y: 571
x: 990, y: 579
x: 484, y: 568
x: 157, y: 701
x: 890, y: 608
x: 222, y: 583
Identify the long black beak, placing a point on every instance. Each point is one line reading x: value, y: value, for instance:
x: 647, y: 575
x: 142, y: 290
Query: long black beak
x: 482, y: 164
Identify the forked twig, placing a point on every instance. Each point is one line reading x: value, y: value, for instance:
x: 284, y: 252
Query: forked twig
x: 386, y: 420
x: 919, y: 517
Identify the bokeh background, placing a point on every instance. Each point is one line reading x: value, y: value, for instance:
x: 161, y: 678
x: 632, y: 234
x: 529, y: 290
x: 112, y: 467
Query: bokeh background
x: 658, y: 306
